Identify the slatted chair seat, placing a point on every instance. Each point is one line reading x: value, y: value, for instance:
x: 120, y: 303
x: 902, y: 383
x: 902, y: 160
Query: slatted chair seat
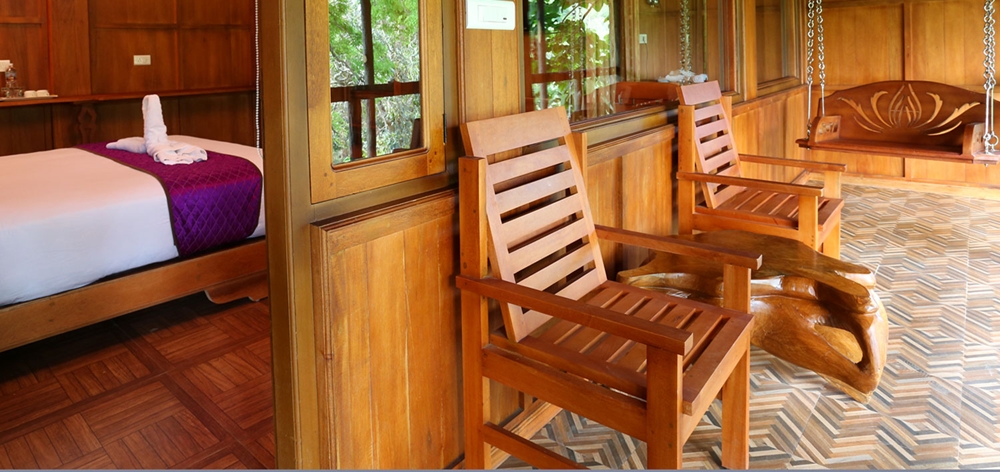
x: 775, y: 208
x: 645, y: 363
x: 708, y: 156
x: 713, y: 334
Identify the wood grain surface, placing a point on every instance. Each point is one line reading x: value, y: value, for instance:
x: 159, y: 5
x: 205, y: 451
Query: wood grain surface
x: 186, y: 384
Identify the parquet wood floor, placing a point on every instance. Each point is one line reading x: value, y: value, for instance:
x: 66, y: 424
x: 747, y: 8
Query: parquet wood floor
x: 183, y: 385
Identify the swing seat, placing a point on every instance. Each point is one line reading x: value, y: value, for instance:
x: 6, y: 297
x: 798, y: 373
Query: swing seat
x: 903, y: 118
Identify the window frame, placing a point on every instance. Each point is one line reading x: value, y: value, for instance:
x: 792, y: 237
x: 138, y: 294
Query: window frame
x: 792, y: 55
x: 329, y: 181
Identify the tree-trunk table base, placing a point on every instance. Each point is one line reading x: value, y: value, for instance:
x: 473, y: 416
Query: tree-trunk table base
x: 811, y: 310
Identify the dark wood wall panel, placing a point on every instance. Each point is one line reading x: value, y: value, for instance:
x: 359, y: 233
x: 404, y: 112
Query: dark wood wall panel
x: 70, y: 48
x: 84, y: 49
x: 203, y: 13
x: 131, y: 12
x: 224, y: 58
x: 221, y: 117
x: 114, y: 120
x: 23, y: 130
x: 27, y: 9
x: 26, y: 45
x: 113, y: 69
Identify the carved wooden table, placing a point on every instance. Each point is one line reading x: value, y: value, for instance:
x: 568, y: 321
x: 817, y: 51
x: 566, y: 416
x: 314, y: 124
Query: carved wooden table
x: 811, y: 310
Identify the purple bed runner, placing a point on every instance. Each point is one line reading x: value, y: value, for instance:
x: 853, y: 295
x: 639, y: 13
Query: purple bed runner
x: 211, y: 203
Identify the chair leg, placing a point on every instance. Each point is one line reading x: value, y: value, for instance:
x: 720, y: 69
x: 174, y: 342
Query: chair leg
x: 664, y: 446
x: 477, y: 451
x: 736, y: 416
x: 831, y: 247
x: 476, y: 387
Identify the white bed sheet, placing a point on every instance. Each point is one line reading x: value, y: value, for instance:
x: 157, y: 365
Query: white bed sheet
x: 69, y: 218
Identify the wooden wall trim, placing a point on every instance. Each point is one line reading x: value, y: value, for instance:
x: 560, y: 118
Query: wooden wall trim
x: 768, y: 100
x: 289, y: 214
x: 628, y: 144
x: 365, y: 225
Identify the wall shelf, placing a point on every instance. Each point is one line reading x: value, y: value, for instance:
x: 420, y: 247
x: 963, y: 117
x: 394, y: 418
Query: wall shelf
x: 83, y: 99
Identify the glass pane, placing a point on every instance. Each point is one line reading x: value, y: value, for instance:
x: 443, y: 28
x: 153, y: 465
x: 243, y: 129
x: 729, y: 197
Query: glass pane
x: 666, y: 28
x: 398, y: 122
x: 374, y: 77
x: 572, y: 54
x: 772, y: 58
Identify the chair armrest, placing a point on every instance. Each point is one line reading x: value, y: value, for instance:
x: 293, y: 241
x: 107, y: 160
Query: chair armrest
x: 795, y: 189
x: 663, y: 337
x: 681, y: 247
x: 811, y: 165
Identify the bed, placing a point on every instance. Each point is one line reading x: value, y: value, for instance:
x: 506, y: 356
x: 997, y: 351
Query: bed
x: 84, y: 239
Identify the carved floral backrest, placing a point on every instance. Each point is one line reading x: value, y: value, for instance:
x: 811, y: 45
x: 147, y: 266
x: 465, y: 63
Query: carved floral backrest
x: 917, y: 112
x: 714, y: 147
x: 541, y: 232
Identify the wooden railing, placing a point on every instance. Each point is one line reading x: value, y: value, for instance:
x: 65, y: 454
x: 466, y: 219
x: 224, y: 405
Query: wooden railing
x: 355, y: 97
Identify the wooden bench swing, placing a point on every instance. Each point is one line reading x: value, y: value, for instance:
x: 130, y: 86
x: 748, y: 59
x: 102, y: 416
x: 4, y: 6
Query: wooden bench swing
x: 902, y: 118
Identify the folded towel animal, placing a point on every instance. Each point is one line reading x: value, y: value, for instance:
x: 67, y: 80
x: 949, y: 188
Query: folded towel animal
x: 154, y: 133
x: 154, y: 139
x: 176, y: 152
x: 136, y: 145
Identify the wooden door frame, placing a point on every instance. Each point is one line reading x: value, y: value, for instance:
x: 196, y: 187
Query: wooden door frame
x: 289, y: 212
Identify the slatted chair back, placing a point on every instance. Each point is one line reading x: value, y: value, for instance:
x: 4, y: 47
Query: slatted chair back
x: 540, y: 227
x: 711, y: 137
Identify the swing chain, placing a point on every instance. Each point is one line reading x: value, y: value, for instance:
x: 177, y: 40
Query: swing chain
x: 810, y: 46
x: 686, y: 35
x: 821, y: 56
x: 990, y: 139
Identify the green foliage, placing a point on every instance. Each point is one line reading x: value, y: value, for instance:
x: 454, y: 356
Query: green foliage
x: 396, y: 53
x: 571, y: 36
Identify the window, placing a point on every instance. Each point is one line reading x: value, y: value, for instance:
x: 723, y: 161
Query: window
x: 383, y: 121
x: 572, y: 52
x: 374, y: 77
x: 680, y: 35
x: 776, y: 38
x: 600, y: 57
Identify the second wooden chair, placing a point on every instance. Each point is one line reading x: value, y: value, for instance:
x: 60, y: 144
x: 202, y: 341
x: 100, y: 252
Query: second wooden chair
x: 641, y: 362
x: 707, y: 154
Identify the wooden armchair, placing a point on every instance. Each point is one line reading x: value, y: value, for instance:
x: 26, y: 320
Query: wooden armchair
x: 638, y: 361
x: 707, y: 154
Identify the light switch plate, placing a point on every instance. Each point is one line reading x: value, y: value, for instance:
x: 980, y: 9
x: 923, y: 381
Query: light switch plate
x: 643, y: 39
x: 143, y: 60
x: 490, y: 14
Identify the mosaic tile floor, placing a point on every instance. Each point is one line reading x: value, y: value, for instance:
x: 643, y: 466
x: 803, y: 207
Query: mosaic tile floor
x: 937, y: 259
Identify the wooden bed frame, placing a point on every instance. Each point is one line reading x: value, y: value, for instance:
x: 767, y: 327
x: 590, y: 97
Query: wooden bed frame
x: 224, y: 275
